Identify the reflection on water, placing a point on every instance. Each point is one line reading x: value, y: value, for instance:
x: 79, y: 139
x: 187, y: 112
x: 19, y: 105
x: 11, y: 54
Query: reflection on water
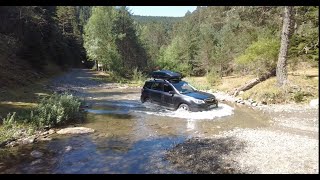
x: 129, y: 137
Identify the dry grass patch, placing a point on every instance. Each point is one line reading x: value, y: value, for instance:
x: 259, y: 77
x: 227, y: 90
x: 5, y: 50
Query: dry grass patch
x: 300, y: 89
x: 231, y: 82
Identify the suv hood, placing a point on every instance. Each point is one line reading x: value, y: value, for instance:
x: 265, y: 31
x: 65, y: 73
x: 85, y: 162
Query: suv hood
x: 200, y: 95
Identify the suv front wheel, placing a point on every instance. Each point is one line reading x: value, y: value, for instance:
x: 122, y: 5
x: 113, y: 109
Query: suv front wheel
x: 184, y: 107
x: 145, y: 100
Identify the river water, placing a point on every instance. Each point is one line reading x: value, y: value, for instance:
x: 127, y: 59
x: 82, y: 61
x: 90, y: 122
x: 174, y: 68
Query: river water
x: 129, y: 137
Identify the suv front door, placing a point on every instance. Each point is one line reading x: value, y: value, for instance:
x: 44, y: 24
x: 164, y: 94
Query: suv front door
x: 166, y: 97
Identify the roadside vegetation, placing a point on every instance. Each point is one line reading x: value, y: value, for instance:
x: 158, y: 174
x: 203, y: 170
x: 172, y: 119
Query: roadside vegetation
x: 52, y: 111
x: 302, y: 87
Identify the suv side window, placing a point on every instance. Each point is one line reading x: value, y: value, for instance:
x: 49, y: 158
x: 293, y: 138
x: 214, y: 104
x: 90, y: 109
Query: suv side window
x: 147, y: 85
x: 156, y: 86
x: 167, y: 87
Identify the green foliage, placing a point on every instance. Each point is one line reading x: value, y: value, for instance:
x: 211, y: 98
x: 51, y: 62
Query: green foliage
x: 55, y: 110
x: 99, y: 40
x: 200, y: 85
x: 51, y: 111
x: 273, y: 96
x: 304, y: 44
x: 67, y: 19
x: 138, y: 76
x: 9, y: 120
x: 260, y: 57
x: 298, y: 96
x: 156, y: 19
x: 171, y: 58
x: 213, y: 78
x: 110, y: 38
x: 39, y: 31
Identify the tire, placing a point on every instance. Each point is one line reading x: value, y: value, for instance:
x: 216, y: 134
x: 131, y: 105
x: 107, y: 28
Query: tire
x: 146, y: 100
x: 184, y: 107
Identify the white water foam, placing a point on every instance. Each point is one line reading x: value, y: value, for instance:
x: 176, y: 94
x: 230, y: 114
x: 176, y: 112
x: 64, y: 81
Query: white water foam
x: 221, y: 111
x: 129, y: 104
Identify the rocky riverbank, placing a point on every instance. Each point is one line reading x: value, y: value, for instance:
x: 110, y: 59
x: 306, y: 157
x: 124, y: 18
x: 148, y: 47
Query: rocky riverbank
x: 289, y: 145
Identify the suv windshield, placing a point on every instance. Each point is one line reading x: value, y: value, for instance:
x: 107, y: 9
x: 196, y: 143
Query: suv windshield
x: 183, y: 87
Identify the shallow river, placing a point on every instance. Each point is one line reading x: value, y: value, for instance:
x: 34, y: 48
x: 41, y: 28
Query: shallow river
x: 129, y: 137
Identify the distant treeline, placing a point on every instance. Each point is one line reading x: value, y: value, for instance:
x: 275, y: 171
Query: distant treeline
x: 219, y: 40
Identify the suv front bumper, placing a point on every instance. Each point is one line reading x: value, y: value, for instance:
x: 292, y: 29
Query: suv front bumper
x: 204, y: 107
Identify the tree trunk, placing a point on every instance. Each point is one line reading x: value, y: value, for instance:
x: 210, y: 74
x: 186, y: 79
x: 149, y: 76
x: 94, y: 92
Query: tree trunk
x: 97, y: 66
x: 254, y: 82
x: 281, y: 72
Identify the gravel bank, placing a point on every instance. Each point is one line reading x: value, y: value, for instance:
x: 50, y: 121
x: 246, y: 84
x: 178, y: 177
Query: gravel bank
x: 274, y: 152
x: 289, y: 146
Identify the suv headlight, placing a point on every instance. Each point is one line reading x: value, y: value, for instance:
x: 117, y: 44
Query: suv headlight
x: 198, y: 101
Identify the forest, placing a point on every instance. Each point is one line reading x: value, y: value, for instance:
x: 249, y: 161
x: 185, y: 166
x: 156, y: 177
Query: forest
x: 211, y: 42
x: 216, y: 40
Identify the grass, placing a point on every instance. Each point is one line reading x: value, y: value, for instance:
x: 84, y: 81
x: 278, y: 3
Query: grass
x: 15, y: 131
x: 15, y: 98
x: 200, y: 83
x: 302, y: 87
x: 54, y: 110
x: 22, y: 99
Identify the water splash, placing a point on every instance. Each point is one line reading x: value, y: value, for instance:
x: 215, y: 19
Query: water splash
x: 128, y: 107
x: 125, y: 104
x: 221, y: 111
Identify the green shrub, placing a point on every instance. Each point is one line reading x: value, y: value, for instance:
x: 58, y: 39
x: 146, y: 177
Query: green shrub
x: 51, y: 111
x: 9, y: 120
x: 137, y: 76
x: 273, y: 96
x: 213, y: 78
x: 56, y: 109
x: 298, y: 96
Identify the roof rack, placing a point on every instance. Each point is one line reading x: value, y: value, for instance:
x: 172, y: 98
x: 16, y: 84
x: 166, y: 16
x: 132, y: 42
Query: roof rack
x: 166, y: 75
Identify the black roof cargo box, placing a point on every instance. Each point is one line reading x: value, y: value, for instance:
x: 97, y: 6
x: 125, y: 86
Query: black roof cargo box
x: 166, y: 74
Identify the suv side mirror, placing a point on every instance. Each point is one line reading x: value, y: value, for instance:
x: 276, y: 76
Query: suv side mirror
x: 171, y: 92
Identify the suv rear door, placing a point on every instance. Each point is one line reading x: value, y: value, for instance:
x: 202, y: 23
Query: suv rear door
x: 156, y: 91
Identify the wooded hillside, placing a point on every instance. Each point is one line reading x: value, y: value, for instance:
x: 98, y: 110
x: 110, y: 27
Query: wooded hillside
x: 33, y: 38
x: 212, y: 41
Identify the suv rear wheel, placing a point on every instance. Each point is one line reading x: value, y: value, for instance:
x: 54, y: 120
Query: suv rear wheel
x: 184, y: 107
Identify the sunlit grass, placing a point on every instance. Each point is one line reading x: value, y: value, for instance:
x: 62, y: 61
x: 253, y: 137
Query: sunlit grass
x: 302, y: 87
x: 200, y: 83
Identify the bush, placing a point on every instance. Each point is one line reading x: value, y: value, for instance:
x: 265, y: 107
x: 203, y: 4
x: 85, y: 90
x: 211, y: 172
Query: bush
x: 298, y: 97
x: 137, y: 76
x: 9, y: 120
x: 55, y: 110
x: 213, y: 78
